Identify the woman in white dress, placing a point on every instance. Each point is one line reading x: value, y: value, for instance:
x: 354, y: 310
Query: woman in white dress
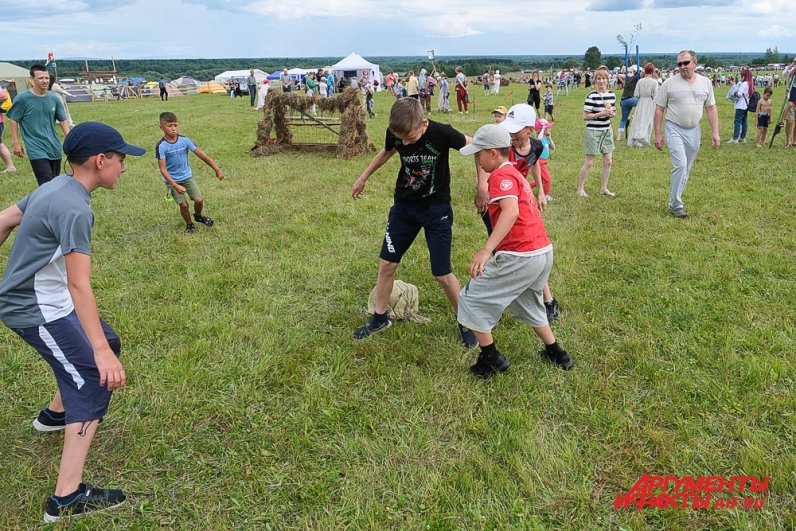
x: 641, y: 125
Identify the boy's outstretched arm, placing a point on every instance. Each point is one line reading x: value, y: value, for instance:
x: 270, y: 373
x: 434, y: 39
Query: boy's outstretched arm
x: 536, y: 170
x: 210, y: 162
x: 358, y: 190
x: 10, y: 218
x: 180, y: 189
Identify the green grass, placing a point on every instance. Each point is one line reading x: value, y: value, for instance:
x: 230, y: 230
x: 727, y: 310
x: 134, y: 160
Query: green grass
x: 248, y: 404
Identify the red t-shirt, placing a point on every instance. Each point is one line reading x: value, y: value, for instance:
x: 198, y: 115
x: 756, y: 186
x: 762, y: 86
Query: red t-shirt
x: 527, y: 236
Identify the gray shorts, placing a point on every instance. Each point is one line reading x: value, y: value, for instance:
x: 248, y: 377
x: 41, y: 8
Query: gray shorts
x: 191, y: 190
x: 598, y: 142
x: 508, y: 281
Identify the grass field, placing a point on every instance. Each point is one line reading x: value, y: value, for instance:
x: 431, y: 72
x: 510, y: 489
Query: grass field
x: 249, y: 406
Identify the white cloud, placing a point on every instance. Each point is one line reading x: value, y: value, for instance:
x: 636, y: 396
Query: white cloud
x: 305, y: 28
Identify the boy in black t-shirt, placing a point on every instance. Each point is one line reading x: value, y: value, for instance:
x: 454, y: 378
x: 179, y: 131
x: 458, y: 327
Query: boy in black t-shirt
x: 422, y: 201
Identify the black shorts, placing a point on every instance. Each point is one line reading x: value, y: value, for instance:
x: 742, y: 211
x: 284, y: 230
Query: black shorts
x: 763, y: 120
x: 403, y: 225
x: 63, y: 344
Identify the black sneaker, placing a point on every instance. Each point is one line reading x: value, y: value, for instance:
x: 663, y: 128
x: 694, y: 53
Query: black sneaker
x: 468, y: 338
x: 371, y: 327
x: 190, y: 229
x: 680, y: 213
x: 560, y: 357
x: 87, y: 499
x: 553, y: 310
x: 488, y: 366
x: 203, y: 219
x: 49, y: 421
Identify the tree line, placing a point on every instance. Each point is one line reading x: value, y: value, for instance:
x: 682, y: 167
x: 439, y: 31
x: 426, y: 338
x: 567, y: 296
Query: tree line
x: 206, y: 69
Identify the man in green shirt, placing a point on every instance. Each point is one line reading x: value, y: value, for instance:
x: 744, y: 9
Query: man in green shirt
x: 34, y: 113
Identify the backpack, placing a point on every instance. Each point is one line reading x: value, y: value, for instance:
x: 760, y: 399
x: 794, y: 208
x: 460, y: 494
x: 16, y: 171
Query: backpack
x: 751, y: 103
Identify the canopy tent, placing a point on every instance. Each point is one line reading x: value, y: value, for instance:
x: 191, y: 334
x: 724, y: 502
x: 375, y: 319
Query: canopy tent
x: 134, y: 80
x: 353, y: 66
x: 14, y: 74
x: 240, y: 76
x: 299, y: 73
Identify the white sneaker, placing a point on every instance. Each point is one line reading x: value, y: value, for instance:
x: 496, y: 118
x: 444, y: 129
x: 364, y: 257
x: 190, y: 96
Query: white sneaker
x: 732, y: 141
x: 742, y: 141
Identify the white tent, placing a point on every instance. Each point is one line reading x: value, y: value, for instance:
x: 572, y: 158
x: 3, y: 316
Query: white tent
x: 241, y: 75
x: 353, y: 66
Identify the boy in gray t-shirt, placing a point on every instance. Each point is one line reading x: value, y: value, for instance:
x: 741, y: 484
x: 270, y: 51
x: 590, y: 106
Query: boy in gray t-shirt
x: 60, y: 319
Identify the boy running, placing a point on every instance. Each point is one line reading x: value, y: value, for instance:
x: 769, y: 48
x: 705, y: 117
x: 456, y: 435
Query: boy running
x: 422, y: 201
x: 172, y: 154
x: 516, y: 274
x: 46, y: 299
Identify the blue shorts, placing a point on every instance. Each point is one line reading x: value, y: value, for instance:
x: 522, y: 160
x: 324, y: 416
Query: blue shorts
x: 405, y: 222
x: 63, y: 344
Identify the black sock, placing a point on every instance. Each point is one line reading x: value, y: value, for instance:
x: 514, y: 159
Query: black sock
x: 380, y: 317
x: 553, y: 347
x: 489, y: 349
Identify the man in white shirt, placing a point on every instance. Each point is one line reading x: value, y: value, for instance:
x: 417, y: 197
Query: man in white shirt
x: 684, y: 96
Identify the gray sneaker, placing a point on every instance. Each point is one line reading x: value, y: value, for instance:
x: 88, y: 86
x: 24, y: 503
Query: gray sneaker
x: 679, y: 213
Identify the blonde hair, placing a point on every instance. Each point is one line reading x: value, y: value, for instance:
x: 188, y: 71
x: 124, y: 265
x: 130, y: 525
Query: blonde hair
x: 602, y: 70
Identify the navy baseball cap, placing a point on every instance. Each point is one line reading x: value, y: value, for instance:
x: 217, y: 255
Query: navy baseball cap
x: 87, y: 139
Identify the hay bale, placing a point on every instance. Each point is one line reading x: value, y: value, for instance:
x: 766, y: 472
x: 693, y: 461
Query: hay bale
x: 273, y: 131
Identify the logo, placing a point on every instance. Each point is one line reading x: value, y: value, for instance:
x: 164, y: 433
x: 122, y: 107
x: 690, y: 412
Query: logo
x: 689, y: 492
x: 506, y: 185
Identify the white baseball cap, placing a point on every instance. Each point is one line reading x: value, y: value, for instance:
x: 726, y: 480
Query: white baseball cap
x: 490, y: 136
x: 519, y: 116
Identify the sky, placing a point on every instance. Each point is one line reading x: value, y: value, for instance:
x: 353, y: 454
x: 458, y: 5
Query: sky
x: 331, y: 28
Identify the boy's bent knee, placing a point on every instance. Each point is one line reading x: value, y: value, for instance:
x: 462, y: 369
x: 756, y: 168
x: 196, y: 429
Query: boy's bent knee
x: 198, y: 200
x: 387, y: 268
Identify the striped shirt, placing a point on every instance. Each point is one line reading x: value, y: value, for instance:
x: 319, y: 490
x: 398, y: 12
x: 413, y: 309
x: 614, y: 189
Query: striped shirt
x: 597, y: 102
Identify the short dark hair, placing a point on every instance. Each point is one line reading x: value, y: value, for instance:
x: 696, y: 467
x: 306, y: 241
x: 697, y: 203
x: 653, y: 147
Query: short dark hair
x: 37, y: 68
x: 504, y: 152
x: 167, y: 117
x: 79, y: 161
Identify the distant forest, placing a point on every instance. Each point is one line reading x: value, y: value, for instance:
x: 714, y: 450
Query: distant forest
x: 207, y: 69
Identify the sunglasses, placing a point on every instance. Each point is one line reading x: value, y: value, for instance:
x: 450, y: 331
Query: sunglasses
x: 684, y: 63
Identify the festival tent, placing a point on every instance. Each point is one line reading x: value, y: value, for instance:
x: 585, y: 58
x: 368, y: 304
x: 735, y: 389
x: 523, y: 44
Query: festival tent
x: 14, y: 74
x: 240, y: 76
x: 353, y: 66
x: 184, y: 85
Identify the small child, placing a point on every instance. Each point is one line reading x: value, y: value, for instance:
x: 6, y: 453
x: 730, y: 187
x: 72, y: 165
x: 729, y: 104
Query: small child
x: 514, y: 277
x: 172, y: 154
x: 545, y: 129
x: 499, y: 113
x: 548, y: 102
x: 763, y: 116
